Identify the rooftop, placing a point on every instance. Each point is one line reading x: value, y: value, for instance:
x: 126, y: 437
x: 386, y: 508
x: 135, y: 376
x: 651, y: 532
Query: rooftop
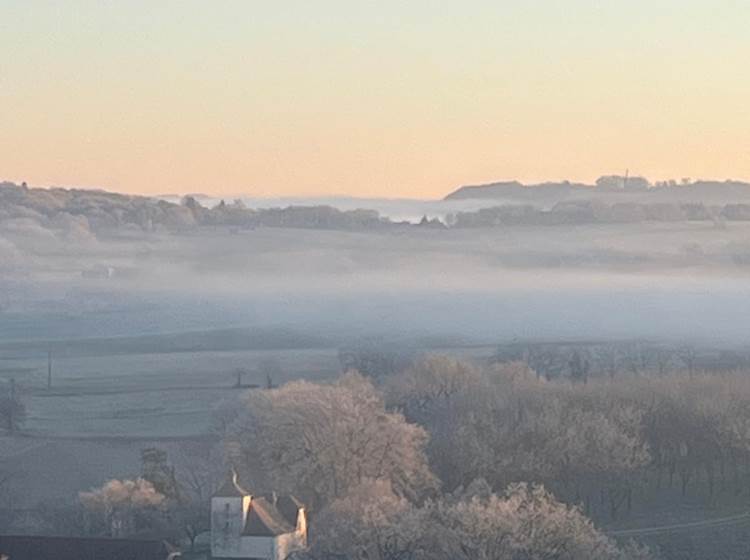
x: 231, y: 488
x: 265, y: 520
x: 80, y: 548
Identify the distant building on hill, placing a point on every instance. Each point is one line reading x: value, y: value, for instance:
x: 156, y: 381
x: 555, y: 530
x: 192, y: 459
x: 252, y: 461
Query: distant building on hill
x: 244, y: 526
x: 622, y: 182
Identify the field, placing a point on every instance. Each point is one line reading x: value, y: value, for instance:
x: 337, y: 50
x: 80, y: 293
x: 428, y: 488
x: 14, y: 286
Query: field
x: 102, y: 410
x: 145, y: 358
x: 148, y: 395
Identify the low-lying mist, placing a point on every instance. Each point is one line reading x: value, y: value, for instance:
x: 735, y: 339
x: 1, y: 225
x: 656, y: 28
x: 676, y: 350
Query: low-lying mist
x: 476, y: 286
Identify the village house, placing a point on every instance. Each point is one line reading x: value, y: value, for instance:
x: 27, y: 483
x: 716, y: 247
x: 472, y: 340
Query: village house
x: 245, y: 527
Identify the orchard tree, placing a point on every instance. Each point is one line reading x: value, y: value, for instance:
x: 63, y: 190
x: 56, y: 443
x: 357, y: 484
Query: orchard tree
x: 123, y: 507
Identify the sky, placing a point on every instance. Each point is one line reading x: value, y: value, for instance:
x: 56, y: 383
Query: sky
x: 382, y: 98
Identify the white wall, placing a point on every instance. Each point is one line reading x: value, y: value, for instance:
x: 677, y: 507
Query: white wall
x: 258, y: 547
x: 228, y: 516
x: 227, y: 523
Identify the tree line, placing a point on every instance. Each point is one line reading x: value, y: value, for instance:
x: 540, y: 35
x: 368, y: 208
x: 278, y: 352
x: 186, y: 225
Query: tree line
x: 448, y: 458
x: 446, y: 433
x: 578, y: 212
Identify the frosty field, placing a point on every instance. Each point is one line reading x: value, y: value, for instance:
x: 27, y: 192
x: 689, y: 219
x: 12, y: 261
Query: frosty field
x: 148, y: 395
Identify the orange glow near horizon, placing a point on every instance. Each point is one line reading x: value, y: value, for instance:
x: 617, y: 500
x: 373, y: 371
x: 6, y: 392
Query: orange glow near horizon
x: 378, y: 100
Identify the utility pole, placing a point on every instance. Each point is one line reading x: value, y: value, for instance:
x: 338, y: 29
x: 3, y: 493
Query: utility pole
x: 12, y: 407
x: 49, y: 369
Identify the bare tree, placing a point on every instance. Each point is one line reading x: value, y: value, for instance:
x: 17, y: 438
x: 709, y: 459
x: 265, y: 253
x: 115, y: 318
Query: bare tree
x: 198, y: 477
x: 269, y: 369
x: 156, y: 469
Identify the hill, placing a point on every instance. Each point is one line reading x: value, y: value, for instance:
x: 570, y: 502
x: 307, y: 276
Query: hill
x: 607, y: 188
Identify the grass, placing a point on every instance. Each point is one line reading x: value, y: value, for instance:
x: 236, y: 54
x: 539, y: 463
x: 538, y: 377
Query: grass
x: 152, y: 394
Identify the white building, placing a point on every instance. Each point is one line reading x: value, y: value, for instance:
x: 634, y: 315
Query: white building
x: 249, y: 527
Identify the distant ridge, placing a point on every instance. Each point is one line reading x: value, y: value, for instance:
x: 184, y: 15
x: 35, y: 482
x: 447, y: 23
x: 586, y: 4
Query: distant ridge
x: 513, y: 189
x: 698, y: 190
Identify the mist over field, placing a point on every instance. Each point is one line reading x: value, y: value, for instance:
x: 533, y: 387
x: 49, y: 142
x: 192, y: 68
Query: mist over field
x: 486, y: 284
x: 175, y: 328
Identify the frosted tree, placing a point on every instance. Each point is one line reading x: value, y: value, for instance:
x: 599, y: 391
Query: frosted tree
x: 524, y: 522
x: 369, y: 523
x: 322, y: 440
x: 118, y: 504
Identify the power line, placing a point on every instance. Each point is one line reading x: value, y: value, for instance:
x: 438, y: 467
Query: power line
x: 706, y: 523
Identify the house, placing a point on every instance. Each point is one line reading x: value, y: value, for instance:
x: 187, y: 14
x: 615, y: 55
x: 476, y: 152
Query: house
x: 80, y: 548
x: 245, y: 527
